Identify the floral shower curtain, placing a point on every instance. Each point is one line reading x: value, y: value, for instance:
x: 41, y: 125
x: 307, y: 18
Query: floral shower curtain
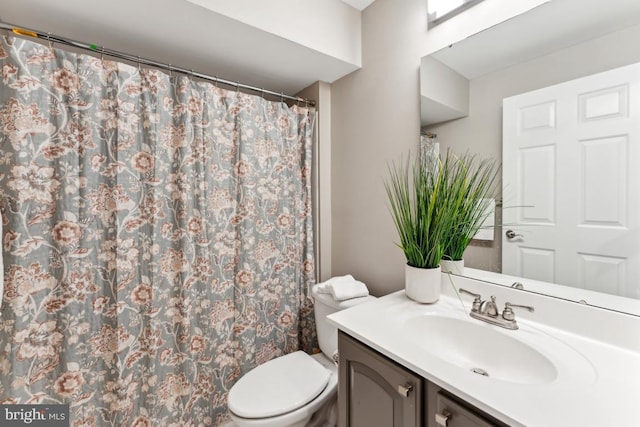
x: 157, y: 238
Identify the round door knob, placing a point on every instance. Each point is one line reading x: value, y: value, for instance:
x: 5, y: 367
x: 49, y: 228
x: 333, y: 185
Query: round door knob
x: 512, y: 234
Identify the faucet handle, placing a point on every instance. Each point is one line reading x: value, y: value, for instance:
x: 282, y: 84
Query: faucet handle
x: 508, y: 314
x: 475, y: 307
x: 517, y: 285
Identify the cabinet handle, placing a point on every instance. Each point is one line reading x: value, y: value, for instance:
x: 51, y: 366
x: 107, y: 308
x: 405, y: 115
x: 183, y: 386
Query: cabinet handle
x: 404, y: 390
x: 443, y: 418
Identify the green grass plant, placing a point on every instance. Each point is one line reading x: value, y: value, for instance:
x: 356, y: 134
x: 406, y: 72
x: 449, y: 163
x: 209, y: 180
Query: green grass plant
x: 436, y: 205
x: 469, y: 182
x: 415, y: 200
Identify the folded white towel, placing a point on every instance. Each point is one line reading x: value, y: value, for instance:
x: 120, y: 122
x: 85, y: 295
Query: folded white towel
x: 486, y: 229
x: 343, y: 290
x: 343, y: 287
x: 325, y: 287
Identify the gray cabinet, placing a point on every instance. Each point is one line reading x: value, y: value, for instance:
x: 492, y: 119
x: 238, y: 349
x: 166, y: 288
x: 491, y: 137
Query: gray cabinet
x: 444, y: 409
x: 374, y: 391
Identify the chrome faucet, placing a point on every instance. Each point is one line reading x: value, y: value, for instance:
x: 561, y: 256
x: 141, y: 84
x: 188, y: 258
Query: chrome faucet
x: 487, y: 311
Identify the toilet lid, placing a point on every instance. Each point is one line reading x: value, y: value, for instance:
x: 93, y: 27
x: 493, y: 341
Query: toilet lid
x: 281, y: 385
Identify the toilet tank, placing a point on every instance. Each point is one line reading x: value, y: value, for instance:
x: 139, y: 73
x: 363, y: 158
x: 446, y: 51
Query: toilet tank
x: 324, y: 306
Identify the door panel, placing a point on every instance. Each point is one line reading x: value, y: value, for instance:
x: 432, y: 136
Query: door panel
x: 374, y: 391
x: 369, y: 386
x: 604, y: 182
x: 537, y: 184
x: 571, y: 177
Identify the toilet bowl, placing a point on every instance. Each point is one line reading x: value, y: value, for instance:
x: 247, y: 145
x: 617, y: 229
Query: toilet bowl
x: 295, y: 390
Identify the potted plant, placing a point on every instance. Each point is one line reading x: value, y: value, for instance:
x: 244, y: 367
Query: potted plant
x: 422, y: 216
x: 470, y: 184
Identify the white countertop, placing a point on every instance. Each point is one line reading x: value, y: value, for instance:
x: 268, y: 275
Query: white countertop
x: 607, y: 394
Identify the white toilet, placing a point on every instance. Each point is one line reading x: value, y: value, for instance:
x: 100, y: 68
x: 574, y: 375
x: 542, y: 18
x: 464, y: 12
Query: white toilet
x: 287, y: 391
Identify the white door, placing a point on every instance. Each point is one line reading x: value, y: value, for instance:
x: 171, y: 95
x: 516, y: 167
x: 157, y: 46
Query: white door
x: 571, y: 183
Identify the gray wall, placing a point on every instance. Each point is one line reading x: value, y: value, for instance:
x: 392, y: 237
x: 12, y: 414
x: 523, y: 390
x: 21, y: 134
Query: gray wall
x: 375, y: 119
x: 321, y: 179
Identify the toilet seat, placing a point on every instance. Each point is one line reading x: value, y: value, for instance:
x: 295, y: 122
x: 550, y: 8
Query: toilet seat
x: 281, y: 385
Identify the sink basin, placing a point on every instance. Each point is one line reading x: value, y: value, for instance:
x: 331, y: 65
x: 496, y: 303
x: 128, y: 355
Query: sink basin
x: 482, y: 349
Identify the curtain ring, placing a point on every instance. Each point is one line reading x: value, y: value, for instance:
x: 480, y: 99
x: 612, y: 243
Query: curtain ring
x: 49, y: 40
x: 281, y: 96
x: 238, y: 86
x: 102, y: 54
x: 216, y: 81
x: 191, y: 75
x: 139, y: 69
x: 262, y: 93
x: 170, y: 72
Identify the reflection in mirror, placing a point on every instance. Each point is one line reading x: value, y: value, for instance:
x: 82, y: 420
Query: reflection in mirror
x: 462, y: 92
x: 441, y: 10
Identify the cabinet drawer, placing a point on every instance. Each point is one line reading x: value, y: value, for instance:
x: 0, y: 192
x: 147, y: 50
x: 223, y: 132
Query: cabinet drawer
x: 444, y: 409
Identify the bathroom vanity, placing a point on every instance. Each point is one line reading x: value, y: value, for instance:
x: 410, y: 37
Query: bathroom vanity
x: 409, y: 364
x: 376, y: 391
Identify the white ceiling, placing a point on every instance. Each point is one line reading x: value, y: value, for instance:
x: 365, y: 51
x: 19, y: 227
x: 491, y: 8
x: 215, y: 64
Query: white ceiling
x: 184, y: 34
x: 359, y: 4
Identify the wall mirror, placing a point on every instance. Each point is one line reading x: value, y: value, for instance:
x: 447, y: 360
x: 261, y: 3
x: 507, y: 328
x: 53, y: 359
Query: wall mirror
x: 462, y: 92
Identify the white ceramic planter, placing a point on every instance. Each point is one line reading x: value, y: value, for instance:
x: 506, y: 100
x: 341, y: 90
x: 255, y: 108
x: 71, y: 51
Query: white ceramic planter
x: 454, y: 267
x: 422, y: 284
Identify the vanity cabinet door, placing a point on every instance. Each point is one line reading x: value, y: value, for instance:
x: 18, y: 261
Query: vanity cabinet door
x: 445, y: 410
x: 374, y: 391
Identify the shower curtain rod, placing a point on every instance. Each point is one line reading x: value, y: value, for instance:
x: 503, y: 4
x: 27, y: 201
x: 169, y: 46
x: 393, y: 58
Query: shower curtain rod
x: 51, y: 38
